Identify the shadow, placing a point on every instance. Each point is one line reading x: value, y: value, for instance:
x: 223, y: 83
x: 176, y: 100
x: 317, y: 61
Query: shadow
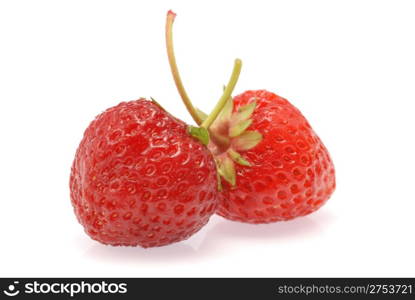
x: 158, y: 255
x: 274, y: 231
x: 225, y: 233
x: 220, y: 237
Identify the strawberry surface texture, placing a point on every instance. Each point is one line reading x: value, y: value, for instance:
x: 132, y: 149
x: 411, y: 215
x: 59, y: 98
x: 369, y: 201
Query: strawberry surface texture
x: 139, y: 178
x: 290, y: 174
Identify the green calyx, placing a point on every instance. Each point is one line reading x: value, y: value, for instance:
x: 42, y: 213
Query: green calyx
x: 236, y: 157
x: 230, y: 136
x: 200, y: 133
x: 223, y: 131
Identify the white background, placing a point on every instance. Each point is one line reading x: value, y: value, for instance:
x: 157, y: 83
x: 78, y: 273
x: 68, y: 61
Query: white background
x: 348, y: 65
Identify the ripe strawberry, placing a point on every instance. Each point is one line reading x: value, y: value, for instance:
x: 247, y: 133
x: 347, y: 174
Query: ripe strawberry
x: 274, y: 167
x: 278, y: 169
x: 139, y: 178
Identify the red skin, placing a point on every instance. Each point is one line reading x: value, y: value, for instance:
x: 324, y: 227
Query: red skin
x: 291, y: 175
x: 138, y: 178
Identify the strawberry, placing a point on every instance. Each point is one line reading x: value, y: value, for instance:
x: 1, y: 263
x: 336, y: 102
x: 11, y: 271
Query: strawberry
x: 273, y: 165
x: 140, y: 178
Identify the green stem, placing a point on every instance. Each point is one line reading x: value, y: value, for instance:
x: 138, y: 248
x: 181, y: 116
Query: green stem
x: 225, y: 96
x: 175, y: 71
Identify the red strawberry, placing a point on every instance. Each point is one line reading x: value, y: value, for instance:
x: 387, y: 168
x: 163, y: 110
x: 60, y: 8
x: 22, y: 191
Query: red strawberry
x: 274, y: 167
x: 139, y: 178
x: 273, y: 164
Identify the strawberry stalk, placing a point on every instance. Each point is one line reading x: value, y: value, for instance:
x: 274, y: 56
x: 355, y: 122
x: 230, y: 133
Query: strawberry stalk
x: 203, y: 122
x: 227, y: 93
x: 223, y: 131
x: 175, y: 71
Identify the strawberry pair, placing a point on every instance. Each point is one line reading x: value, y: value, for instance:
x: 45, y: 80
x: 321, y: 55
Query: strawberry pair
x: 143, y: 177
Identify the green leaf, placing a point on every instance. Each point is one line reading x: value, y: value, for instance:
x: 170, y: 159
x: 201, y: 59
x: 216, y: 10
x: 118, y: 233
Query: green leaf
x: 227, y: 170
x: 247, y: 140
x: 199, y: 133
x: 236, y: 157
x: 220, y: 187
x: 156, y: 103
x: 245, y: 112
x: 237, y: 129
x: 218, y: 175
x: 226, y: 112
x: 203, y: 116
